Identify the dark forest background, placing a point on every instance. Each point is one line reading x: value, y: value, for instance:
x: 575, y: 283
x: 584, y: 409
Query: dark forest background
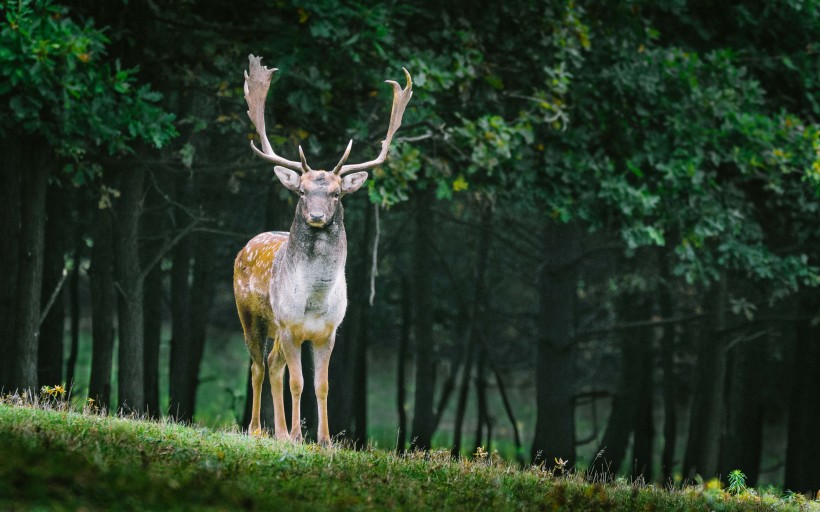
x: 596, y: 239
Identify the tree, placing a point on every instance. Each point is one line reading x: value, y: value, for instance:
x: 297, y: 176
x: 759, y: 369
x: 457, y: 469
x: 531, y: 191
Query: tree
x: 67, y: 101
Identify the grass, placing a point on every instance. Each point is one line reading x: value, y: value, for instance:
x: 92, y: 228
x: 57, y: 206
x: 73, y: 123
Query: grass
x: 55, y: 458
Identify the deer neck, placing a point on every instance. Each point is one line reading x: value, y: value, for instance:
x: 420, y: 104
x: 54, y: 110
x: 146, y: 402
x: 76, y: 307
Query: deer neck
x: 318, y: 253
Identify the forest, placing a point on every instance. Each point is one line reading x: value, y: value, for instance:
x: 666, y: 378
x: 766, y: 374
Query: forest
x: 595, y: 241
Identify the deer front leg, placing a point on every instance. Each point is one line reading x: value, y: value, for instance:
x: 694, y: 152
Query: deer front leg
x: 276, y: 369
x: 321, y: 363
x: 293, y: 356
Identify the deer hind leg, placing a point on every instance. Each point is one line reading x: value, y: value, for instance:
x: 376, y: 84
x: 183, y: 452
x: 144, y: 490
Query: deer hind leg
x: 321, y: 363
x: 254, y: 331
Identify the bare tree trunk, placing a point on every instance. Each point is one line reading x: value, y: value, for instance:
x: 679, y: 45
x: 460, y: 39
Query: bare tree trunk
x: 103, y: 301
x: 359, y: 403
x: 423, y: 415
x: 30, y: 275
x: 668, y: 342
x: 50, y: 349
x: 131, y: 349
x: 706, y: 420
x: 179, y: 372
x: 471, y: 336
x: 742, y: 443
x: 803, y: 449
x: 202, y: 293
x: 10, y: 170
x: 154, y: 230
x: 152, y: 306
x: 404, y: 343
x: 519, y: 448
x: 461, y: 403
x: 644, y: 428
x: 636, y: 367
x: 75, y: 310
x: 555, y: 358
x: 482, y: 414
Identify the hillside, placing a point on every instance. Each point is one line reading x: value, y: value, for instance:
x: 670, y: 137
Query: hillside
x: 64, y: 460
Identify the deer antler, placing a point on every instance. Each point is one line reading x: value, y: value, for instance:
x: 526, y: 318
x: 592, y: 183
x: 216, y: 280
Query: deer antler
x: 400, y: 99
x: 257, y: 83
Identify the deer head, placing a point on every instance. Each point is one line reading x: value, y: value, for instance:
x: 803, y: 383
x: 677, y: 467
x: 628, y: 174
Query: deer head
x: 319, y: 191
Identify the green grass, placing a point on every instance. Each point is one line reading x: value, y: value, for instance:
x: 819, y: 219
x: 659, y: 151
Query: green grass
x: 52, y: 458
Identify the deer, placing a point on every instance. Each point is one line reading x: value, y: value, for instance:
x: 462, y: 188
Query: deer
x: 290, y: 286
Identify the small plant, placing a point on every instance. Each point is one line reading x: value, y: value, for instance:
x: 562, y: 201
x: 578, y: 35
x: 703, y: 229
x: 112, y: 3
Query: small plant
x: 560, y: 466
x: 737, y: 482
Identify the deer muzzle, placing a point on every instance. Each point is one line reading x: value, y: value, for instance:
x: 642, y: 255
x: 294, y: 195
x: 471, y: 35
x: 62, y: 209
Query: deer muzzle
x: 317, y: 219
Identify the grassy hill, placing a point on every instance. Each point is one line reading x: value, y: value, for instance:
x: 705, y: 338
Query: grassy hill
x: 56, y: 459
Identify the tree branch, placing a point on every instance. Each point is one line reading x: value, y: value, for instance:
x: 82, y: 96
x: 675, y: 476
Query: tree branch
x: 53, y: 297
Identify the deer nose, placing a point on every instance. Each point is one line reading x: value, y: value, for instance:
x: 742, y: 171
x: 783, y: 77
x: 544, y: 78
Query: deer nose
x: 316, y: 217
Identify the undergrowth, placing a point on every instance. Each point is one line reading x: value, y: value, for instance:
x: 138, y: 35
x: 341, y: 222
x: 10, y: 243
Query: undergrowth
x: 55, y: 457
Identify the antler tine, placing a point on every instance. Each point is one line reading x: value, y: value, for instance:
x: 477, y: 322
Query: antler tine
x: 257, y: 83
x: 401, y: 97
x: 305, y: 167
x: 344, y: 158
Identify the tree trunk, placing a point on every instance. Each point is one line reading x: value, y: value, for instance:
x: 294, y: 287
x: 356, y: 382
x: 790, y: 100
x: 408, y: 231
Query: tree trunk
x: 10, y: 168
x: 103, y: 300
x: 131, y: 349
x: 742, y: 443
x: 404, y: 342
x: 644, y: 427
x: 423, y: 416
x: 482, y: 414
x: 153, y: 222
x: 803, y: 449
x: 50, y: 349
x: 555, y: 358
x: 152, y: 306
x: 202, y: 292
x: 668, y: 342
x: 74, y: 301
x: 706, y: 419
x: 629, y: 406
x: 519, y: 448
x: 359, y: 402
x: 461, y: 403
x: 30, y: 274
x: 179, y: 370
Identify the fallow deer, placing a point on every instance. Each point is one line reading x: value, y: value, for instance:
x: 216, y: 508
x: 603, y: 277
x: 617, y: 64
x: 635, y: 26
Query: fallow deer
x: 290, y: 286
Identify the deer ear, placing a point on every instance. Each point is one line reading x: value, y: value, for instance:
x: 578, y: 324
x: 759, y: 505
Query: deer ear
x: 288, y: 178
x: 352, y: 182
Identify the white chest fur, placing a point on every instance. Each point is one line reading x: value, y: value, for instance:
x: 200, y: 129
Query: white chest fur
x: 310, y: 297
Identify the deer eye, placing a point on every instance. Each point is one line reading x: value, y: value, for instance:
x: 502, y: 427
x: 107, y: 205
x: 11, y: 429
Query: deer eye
x: 337, y: 194
x: 301, y: 193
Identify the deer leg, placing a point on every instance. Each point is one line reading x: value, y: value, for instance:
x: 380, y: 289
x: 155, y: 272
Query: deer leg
x: 257, y: 376
x: 293, y: 355
x: 321, y: 363
x: 276, y: 369
x: 253, y: 330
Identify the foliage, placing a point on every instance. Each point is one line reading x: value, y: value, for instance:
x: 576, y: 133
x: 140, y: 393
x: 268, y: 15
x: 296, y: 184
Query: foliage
x: 737, y: 482
x: 64, y: 460
x: 56, y: 84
